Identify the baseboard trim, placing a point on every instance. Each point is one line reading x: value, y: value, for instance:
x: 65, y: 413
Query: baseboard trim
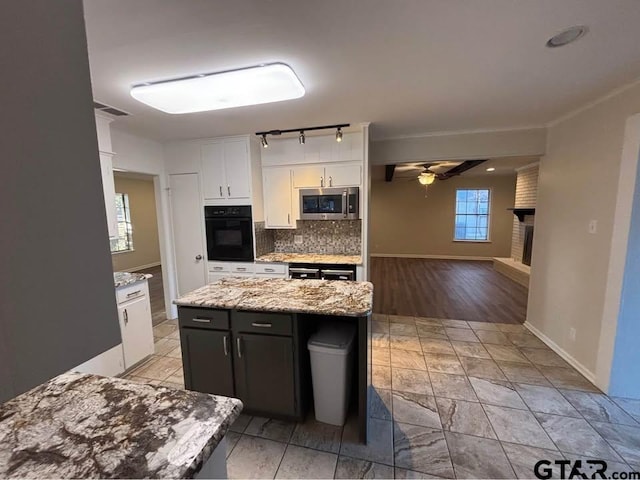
x: 434, y: 257
x: 560, y: 351
x: 142, y: 267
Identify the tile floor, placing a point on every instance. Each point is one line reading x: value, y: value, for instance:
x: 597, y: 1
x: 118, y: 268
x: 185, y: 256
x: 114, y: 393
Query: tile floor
x: 450, y: 399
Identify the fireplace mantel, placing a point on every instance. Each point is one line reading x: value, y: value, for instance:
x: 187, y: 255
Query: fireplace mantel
x: 520, y: 212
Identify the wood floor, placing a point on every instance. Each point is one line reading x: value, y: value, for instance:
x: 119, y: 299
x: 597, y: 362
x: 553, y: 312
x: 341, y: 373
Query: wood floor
x: 156, y: 292
x: 462, y: 290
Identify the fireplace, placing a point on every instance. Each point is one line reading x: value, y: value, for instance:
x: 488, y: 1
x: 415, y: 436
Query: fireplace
x: 528, y: 244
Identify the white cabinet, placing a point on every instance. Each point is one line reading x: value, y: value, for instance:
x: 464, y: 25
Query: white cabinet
x: 109, y: 192
x: 343, y: 175
x: 278, y: 205
x: 135, y: 323
x: 226, y: 171
x: 317, y: 149
x: 271, y: 270
x: 331, y: 175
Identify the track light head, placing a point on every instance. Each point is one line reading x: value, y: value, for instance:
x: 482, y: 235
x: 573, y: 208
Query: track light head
x: 339, y: 135
x: 301, y: 137
x: 264, y: 142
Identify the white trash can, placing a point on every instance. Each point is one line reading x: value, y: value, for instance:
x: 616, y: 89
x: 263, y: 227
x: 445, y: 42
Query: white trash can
x: 331, y: 350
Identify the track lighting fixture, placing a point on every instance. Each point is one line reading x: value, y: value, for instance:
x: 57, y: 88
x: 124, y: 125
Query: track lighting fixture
x: 301, y: 134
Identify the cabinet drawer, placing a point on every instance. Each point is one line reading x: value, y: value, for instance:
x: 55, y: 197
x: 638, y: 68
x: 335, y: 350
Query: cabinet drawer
x: 130, y: 292
x: 269, y: 268
x: 242, y: 267
x: 258, y: 322
x: 215, y: 267
x: 203, y: 318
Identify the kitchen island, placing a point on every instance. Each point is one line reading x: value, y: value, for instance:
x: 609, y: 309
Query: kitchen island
x: 247, y: 338
x: 86, y: 426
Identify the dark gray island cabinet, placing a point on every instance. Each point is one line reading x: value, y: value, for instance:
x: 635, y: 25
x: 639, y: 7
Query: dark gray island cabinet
x: 247, y: 338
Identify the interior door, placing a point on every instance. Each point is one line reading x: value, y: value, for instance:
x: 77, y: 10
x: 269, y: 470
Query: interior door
x: 277, y: 197
x: 263, y: 366
x: 207, y: 361
x: 137, y: 334
x: 187, y: 218
x: 213, y: 174
x: 236, y: 166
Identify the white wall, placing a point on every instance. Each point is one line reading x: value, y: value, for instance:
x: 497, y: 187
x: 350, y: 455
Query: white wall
x: 142, y: 155
x: 571, y: 279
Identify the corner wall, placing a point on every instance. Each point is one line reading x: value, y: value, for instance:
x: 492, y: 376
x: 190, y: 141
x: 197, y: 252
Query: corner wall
x: 571, y: 279
x: 526, y: 196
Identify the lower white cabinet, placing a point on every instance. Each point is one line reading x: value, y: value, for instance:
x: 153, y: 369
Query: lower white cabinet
x: 134, y: 315
x: 218, y: 270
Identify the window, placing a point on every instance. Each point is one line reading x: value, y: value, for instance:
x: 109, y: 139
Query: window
x: 472, y: 215
x: 124, y: 242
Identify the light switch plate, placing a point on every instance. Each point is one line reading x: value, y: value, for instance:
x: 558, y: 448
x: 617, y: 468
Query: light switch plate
x: 297, y: 239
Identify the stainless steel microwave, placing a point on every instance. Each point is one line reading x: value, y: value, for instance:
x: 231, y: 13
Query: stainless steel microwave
x: 330, y: 203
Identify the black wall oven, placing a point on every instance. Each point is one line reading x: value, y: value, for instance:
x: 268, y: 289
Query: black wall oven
x: 229, y: 233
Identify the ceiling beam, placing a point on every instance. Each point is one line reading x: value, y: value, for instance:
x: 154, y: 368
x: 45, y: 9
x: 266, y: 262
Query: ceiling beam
x: 388, y: 172
x: 458, y: 169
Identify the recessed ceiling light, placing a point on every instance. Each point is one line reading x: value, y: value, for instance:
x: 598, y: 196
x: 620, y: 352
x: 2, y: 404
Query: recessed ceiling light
x: 567, y: 36
x: 268, y: 83
x: 491, y: 169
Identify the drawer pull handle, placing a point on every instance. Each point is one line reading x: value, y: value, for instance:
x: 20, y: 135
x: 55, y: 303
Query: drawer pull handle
x: 241, y: 269
x: 217, y: 268
x: 239, y: 348
x: 261, y: 324
x: 269, y: 270
x: 133, y: 294
x: 201, y: 320
x: 225, y: 346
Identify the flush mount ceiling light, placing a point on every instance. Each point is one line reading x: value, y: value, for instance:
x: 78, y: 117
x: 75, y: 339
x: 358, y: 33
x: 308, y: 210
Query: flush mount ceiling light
x: 567, y: 36
x: 268, y: 83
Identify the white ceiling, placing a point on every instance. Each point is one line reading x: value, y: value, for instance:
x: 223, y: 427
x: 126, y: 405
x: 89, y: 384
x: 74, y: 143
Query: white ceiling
x: 408, y: 66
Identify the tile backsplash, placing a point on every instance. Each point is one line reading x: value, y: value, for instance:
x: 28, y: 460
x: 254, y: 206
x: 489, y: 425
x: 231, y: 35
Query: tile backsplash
x: 320, y: 236
x: 263, y: 239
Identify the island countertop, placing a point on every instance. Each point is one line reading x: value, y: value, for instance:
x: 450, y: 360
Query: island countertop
x: 281, y: 257
x: 322, y: 297
x: 86, y: 426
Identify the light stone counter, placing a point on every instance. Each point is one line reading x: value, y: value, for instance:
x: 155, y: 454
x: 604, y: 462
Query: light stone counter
x: 86, y: 426
x: 279, y: 257
x: 121, y: 279
x: 321, y: 297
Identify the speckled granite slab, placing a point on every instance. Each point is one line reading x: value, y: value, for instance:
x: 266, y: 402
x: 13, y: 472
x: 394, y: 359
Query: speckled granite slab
x: 121, y: 279
x: 322, y: 297
x: 277, y: 257
x: 86, y: 426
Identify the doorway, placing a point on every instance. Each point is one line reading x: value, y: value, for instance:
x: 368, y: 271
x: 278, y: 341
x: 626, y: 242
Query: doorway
x: 137, y: 248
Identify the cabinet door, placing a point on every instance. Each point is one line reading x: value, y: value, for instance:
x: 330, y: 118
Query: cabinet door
x: 263, y: 366
x: 237, y: 169
x: 206, y: 357
x: 343, y: 175
x: 136, y: 329
x: 109, y: 192
x: 213, y: 173
x: 309, y: 177
x: 277, y: 198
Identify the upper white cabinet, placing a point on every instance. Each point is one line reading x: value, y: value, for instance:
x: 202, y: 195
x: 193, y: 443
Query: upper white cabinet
x: 106, y: 168
x: 226, y: 171
x: 330, y: 175
x: 278, y: 205
x: 317, y: 149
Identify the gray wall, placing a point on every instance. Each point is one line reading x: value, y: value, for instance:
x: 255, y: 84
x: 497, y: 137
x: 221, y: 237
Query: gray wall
x: 57, y: 305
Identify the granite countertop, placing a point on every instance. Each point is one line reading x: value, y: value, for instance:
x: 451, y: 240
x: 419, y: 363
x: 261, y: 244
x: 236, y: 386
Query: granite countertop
x: 121, y: 279
x: 279, y: 257
x: 85, y: 426
x: 322, y: 297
